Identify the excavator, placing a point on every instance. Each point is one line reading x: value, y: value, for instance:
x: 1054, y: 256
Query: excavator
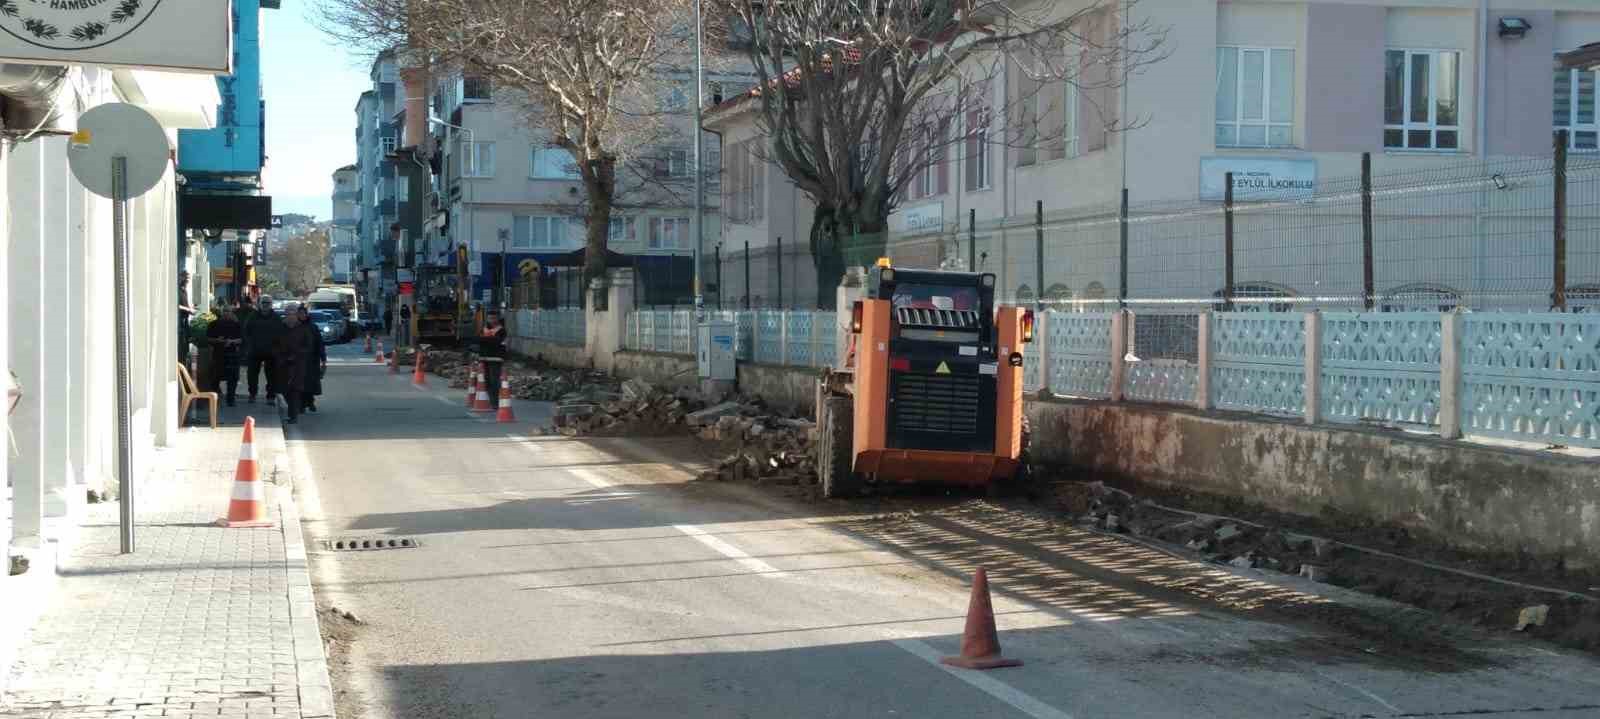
x: 932, y: 387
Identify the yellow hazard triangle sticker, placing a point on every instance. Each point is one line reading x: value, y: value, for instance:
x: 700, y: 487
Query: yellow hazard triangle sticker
x: 943, y: 369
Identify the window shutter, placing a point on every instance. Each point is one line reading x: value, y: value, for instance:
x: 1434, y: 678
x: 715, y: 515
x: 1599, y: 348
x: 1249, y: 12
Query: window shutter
x: 970, y: 161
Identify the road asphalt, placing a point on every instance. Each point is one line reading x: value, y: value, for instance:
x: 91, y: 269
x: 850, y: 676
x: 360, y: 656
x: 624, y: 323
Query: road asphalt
x: 593, y: 577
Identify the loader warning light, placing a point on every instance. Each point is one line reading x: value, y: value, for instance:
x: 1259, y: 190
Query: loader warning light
x: 900, y: 364
x: 883, y: 262
x: 1027, y: 325
x: 855, y: 317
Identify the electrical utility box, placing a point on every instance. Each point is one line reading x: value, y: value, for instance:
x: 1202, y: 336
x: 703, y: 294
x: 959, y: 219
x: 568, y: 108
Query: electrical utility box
x: 715, y: 350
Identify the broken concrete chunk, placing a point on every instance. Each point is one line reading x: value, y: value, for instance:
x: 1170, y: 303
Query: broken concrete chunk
x: 1227, y: 532
x: 713, y: 413
x: 1533, y: 616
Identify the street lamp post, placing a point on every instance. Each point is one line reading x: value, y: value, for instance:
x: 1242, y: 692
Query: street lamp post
x: 699, y: 169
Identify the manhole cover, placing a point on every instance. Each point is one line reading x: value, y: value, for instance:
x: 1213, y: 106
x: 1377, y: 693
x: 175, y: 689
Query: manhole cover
x: 367, y: 544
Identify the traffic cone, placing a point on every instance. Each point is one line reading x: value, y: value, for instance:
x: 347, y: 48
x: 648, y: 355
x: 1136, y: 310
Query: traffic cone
x: 505, y: 414
x: 980, y: 644
x: 379, y: 357
x: 472, y: 385
x: 369, y: 343
x: 394, y: 362
x: 248, y: 507
x: 418, y: 378
x: 480, y: 402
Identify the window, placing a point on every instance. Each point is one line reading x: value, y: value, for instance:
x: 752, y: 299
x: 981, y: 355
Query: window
x: 388, y: 144
x: 476, y: 89
x: 477, y: 159
x: 1421, y: 100
x: 377, y: 195
x: 553, y: 163
x: 977, y: 142
x: 669, y: 233
x: 1575, y: 108
x: 1047, y: 120
x: 620, y: 230
x: 535, y: 232
x: 402, y: 189
x: 1255, y: 97
x: 934, y: 176
x: 746, y: 186
x: 678, y: 162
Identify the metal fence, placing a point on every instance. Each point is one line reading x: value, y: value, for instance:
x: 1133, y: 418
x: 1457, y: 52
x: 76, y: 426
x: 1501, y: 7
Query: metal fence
x: 565, y: 325
x: 1527, y: 376
x: 1509, y: 234
x: 793, y: 338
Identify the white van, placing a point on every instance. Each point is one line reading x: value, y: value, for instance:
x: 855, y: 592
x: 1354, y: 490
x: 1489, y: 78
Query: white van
x: 341, y: 298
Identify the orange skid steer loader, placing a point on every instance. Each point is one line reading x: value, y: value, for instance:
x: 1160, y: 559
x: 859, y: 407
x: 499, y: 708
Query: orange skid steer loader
x: 932, y: 391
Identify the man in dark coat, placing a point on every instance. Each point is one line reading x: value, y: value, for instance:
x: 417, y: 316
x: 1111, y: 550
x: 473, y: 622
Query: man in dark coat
x: 260, y: 336
x: 492, y: 350
x: 225, y: 337
x: 290, y: 352
x: 316, y: 363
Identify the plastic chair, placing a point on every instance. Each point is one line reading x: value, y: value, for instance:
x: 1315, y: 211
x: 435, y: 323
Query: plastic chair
x: 190, y: 392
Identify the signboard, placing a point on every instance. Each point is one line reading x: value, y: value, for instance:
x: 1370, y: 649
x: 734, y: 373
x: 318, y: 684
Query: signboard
x: 224, y: 274
x: 1258, y: 178
x: 277, y: 221
x: 184, y: 35
x: 407, y: 288
x: 404, y: 275
x: 923, y: 218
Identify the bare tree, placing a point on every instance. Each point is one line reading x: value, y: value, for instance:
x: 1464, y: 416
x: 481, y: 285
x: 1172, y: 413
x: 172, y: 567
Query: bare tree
x: 305, y: 261
x: 857, y: 97
x: 589, y: 71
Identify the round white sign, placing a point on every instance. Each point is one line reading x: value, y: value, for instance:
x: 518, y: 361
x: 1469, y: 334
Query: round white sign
x: 73, y: 24
x: 114, y: 130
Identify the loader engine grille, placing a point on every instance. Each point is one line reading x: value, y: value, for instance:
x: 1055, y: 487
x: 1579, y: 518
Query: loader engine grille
x: 936, y: 404
x: 938, y: 319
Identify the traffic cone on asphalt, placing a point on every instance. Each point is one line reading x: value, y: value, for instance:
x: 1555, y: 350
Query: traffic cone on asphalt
x: 394, y: 362
x: 418, y: 378
x: 505, y: 414
x: 980, y: 644
x: 472, y: 385
x: 248, y: 506
x: 480, y: 402
x: 379, y: 357
x: 369, y: 343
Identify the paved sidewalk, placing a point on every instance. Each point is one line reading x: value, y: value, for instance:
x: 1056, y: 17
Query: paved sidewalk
x: 200, y: 620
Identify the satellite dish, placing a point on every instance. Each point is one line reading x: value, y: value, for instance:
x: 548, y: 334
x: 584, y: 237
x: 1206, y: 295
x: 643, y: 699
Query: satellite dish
x: 118, y: 129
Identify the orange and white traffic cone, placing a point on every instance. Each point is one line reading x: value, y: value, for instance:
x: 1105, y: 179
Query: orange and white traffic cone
x: 980, y: 644
x: 379, y: 357
x: 418, y: 376
x: 505, y: 414
x: 480, y: 402
x: 472, y: 386
x: 394, y: 362
x: 248, y: 506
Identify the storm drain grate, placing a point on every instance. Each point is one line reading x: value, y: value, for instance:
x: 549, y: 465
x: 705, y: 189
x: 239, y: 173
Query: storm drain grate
x: 367, y: 544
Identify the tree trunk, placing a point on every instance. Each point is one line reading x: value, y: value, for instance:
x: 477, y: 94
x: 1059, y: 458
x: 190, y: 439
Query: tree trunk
x: 840, y: 240
x: 602, y: 191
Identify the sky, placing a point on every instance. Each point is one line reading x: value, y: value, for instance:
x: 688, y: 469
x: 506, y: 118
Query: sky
x: 311, y: 88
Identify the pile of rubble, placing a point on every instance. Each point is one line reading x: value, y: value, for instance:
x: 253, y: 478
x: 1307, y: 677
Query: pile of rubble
x: 764, y: 449
x: 594, y: 405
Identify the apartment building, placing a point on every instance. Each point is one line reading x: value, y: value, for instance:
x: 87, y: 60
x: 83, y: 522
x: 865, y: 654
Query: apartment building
x: 502, y: 191
x: 378, y: 187
x: 345, y: 226
x: 1283, y: 93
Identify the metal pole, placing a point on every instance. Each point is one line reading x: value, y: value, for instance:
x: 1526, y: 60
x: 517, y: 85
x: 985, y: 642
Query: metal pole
x: 1122, y: 252
x: 1227, y: 241
x: 972, y: 240
x: 1038, y: 253
x: 699, y: 171
x: 1559, y: 274
x: 1368, y: 292
x: 721, y: 290
x: 780, y: 273
x: 500, y: 288
x: 119, y: 257
x: 747, y: 274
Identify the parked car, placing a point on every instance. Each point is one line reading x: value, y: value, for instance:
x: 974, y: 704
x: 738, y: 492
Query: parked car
x: 330, y: 324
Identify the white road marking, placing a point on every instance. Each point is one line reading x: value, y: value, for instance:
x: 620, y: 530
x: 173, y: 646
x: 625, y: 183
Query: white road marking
x: 1359, y: 690
x: 1013, y: 697
x: 730, y: 551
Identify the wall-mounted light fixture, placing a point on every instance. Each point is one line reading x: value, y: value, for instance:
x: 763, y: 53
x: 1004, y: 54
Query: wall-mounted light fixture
x: 1514, y: 27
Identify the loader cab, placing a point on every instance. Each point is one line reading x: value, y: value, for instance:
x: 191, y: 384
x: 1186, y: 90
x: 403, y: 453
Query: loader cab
x: 941, y: 360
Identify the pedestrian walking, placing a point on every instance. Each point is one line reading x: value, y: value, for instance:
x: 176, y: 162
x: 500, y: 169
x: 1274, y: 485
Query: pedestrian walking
x: 260, y: 337
x: 225, y: 338
x: 185, y: 313
x: 316, y: 363
x: 492, y: 350
x: 291, y: 354
x: 388, y: 320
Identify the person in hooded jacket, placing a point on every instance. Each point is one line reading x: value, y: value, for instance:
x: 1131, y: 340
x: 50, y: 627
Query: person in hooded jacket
x: 261, y: 335
x: 315, y: 362
x: 225, y: 337
x: 291, y: 353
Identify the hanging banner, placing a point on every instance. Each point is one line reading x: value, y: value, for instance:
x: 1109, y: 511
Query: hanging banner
x: 181, y: 35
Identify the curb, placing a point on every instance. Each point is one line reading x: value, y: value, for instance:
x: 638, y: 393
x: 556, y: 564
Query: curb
x: 310, y: 659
